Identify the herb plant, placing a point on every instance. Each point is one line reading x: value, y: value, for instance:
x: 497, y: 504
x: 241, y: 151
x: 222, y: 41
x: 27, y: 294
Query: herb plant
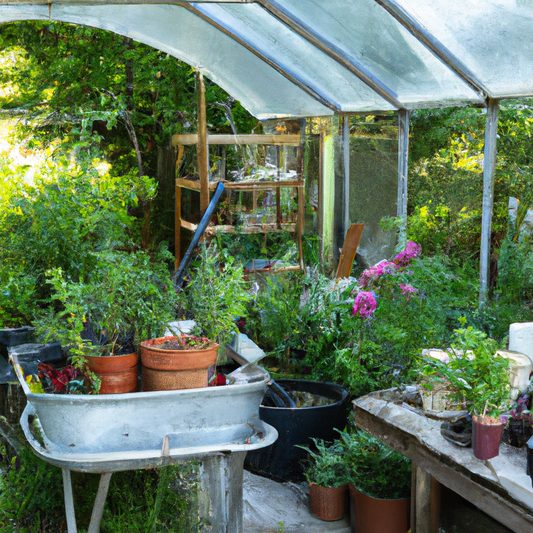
x: 477, y: 376
x: 374, y: 468
x: 327, y: 465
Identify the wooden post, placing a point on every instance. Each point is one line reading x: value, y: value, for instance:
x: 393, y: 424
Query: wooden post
x: 202, y: 146
x: 403, y: 154
x: 489, y: 167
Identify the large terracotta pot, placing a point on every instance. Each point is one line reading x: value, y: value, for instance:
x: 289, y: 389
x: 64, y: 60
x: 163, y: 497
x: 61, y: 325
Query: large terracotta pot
x: 486, y: 439
x: 158, y: 359
x: 373, y: 515
x: 118, y: 373
x: 175, y: 369
x: 328, y: 504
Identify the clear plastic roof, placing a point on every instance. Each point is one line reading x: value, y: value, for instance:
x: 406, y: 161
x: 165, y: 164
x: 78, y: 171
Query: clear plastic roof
x: 315, y: 57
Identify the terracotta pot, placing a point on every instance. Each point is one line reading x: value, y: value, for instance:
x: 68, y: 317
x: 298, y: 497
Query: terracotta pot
x: 486, y: 439
x: 118, y: 373
x: 373, y: 515
x: 173, y: 379
x: 159, y: 359
x: 328, y: 504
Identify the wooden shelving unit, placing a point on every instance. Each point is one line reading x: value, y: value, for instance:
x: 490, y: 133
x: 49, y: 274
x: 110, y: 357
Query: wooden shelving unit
x: 203, y: 186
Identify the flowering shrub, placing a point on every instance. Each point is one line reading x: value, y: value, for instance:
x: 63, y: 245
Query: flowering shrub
x: 380, y: 278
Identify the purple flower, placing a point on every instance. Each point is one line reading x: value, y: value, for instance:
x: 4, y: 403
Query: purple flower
x: 364, y: 305
x: 411, y: 251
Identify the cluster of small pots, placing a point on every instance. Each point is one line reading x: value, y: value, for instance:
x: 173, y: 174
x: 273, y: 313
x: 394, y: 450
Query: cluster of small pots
x: 371, y: 515
x: 162, y: 369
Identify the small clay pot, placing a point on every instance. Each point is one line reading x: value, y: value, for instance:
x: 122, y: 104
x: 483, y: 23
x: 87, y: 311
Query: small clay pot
x: 486, y: 438
x: 117, y: 373
x: 328, y: 503
x: 374, y: 515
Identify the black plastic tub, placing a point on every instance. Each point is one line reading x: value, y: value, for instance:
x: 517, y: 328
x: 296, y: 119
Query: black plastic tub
x: 282, y: 460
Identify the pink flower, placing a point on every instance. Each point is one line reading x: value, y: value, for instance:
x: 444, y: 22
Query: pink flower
x: 408, y: 289
x: 411, y: 251
x: 364, y: 304
x: 373, y: 273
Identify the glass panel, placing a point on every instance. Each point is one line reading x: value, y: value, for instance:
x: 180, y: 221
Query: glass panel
x: 309, y: 64
x: 22, y: 12
x: 172, y: 29
x: 491, y: 37
x: 367, y: 32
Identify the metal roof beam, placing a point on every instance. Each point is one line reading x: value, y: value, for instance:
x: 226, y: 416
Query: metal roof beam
x: 311, y: 90
x: 349, y: 62
x: 433, y: 44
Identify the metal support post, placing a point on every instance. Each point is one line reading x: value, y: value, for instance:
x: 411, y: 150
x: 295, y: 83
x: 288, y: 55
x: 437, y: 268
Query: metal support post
x: 69, y: 501
x: 99, y: 503
x: 489, y: 167
x: 221, y: 491
x: 403, y: 157
x: 346, y: 188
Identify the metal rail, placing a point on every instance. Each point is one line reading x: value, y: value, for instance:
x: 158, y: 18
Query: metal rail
x: 347, y: 61
x: 433, y: 44
x: 312, y: 90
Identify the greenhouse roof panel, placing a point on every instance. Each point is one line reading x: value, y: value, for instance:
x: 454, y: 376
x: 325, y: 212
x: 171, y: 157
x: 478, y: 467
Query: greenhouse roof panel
x: 284, y: 58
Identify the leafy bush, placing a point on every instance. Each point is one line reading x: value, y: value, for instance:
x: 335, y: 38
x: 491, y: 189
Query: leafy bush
x: 327, y: 465
x: 374, y: 468
x: 217, y: 295
x: 477, y: 377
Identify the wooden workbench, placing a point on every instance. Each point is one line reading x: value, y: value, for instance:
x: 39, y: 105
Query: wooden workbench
x: 499, y: 487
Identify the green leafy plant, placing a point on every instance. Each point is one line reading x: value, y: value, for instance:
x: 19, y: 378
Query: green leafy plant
x: 478, y: 377
x: 374, y: 468
x: 327, y: 465
x: 217, y: 295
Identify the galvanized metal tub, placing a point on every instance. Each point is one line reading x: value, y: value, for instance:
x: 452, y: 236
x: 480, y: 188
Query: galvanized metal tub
x: 80, y: 431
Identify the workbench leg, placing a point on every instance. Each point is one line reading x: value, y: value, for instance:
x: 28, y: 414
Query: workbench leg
x: 425, y: 502
x: 221, y: 492
x: 69, y: 501
x: 99, y: 503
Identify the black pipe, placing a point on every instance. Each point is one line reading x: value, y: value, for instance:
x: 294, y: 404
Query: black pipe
x: 281, y: 392
x: 186, y: 261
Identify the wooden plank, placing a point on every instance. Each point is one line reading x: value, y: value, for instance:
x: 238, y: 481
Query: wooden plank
x: 241, y: 186
x: 202, y: 146
x: 489, y: 496
x: 421, y: 521
x: 189, y: 225
x: 349, y: 249
x: 188, y: 184
x: 263, y: 228
x: 188, y: 139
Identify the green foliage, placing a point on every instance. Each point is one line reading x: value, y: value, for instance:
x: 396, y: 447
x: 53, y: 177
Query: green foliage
x: 478, y: 378
x: 374, y: 468
x: 128, y: 299
x: 217, y: 294
x: 163, y: 500
x: 17, y: 296
x: 327, y: 465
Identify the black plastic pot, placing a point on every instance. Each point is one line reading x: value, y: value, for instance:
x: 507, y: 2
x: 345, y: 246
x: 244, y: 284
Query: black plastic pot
x: 282, y: 460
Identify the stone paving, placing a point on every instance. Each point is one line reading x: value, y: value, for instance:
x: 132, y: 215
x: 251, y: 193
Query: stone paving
x: 266, y: 503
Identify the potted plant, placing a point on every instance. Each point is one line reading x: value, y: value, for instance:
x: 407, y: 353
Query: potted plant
x: 379, y: 482
x: 328, y: 484
x: 177, y: 362
x: 100, y: 323
x: 479, y: 382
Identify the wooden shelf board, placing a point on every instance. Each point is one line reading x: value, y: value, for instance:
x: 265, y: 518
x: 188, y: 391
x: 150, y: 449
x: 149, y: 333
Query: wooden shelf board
x: 188, y: 139
x: 240, y: 185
